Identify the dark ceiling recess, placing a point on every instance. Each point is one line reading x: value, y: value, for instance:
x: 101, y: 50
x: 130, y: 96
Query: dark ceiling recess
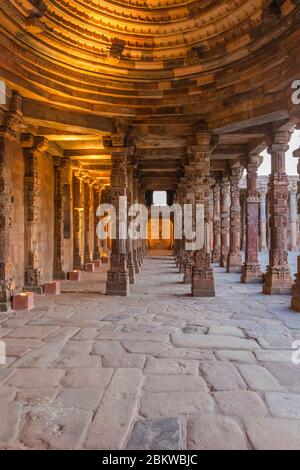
x: 117, y: 48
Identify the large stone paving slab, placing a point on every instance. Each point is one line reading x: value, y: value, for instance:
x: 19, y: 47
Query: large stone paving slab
x: 157, y: 370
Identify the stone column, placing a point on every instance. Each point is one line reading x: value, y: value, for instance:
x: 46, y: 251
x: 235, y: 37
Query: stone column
x: 263, y: 220
x: 12, y: 123
x: 136, y: 243
x: 203, y: 276
x: 60, y: 165
x: 251, y: 272
x: 217, y: 224
x: 130, y: 260
x: 182, y: 196
x: 118, y: 275
x: 97, y: 193
x: 189, y: 199
x: 225, y: 221
x: 293, y: 219
x: 87, y: 220
x: 78, y: 252
x: 33, y: 150
x: 278, y: 278
x: 234, y: 260
x: 296, y: 290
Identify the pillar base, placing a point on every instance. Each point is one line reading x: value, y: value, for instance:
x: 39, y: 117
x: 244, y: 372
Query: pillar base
x: 252, y: 274
x: 203, y: 284
x: 89, y: 267
x: 216, y: 256
x: 118, y: 284
x: 278, y: 281
x: 234, y: 263
x: 39, y: 290
x: 223, y: 261
x: 188, y: 275
x: 296, y: 299
x: 5, y: 306
x: 131, y: 268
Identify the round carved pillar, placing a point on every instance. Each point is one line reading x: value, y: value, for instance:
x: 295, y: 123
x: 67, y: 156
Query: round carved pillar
x: 278, y: 278
x: 78, y: 249
x: 293, y: 219
x: 251, y: 272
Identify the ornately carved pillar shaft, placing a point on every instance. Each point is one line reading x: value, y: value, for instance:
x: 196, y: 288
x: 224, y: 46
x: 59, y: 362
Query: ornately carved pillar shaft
x: 189, y: 199
x: 296, y: 290
x: 278, y: 279
x: 225, y: 221
x: 130, y: 248
x: 9, y: 133
x: 263, y: 220
x: 251, y: 272
x: 234, y: 260
x: 78, y: 250
x: 7, y: 283
x: 293, y: 220
x: 87, y: 221
x: 97, y: 200
x: 59, y: 179
x: 217, y: 224
x: 136, y: 243
x: 33, y: 149
x: 203, y: 277
x: 118, y: 276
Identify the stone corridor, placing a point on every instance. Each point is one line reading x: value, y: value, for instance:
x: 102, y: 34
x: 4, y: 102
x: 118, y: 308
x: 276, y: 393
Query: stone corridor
x: 156, y: 370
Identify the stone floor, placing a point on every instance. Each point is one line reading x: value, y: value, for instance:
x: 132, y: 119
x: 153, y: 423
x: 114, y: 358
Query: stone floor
x: 156, y: 370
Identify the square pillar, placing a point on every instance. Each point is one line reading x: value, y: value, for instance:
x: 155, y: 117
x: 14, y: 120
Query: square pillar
x: 203, y: 284
x: 216, y: 256
x: 251, y: 272
x: 78, y: 259
x: 33, y: 150
x: 225, y: 221
x: 118, y: 275
x: 278, y: 278
x: 234, y: 261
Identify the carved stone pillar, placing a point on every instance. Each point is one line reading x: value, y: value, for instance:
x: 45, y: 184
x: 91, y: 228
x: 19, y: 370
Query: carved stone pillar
x: 118, y: 276
x: 217, y: 224
x: 78, y: 251
x: 278, y: 278
x: 296, y: 290
x: 293, y: 219
x: 203, y: 277
x: 8, y: 138
x: 182, y: 253
x: 87, y: 187
x: 97, y: 200
x: 136, y: 243
x: 189, y: 199
x: 251, y: 272
x: 130, y: 248
x: 33, y: 149
x: 225, y: 221
x: 60, y: 165
x: 263, y: 220
x: 234, y: 260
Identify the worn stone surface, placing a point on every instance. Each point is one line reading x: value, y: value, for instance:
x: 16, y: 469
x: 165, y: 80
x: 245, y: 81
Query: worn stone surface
x: 239, y: 404
x: 206, y: 432
x: 156, y: 434
x: 222, y: 376
x: 273, y: 434
x: 259, y: 378
x: 168, y: 404
x: 117, y: 373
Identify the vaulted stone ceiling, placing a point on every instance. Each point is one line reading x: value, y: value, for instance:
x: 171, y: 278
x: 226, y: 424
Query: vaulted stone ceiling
x: 159, y: 65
